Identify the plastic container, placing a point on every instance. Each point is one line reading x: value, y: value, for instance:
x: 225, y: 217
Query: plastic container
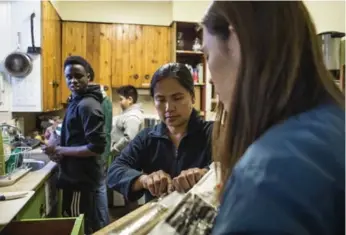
x: 6, y: 143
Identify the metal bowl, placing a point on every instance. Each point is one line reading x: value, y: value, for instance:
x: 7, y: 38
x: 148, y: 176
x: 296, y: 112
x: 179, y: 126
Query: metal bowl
x: 18, y: 64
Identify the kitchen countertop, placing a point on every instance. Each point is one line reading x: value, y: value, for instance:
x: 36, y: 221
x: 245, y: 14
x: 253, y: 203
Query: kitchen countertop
x: 9, y: 209
x: 29, y: 183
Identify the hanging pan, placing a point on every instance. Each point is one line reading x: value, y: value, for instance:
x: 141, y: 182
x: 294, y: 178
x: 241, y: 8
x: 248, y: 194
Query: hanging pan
x: 18, y: 64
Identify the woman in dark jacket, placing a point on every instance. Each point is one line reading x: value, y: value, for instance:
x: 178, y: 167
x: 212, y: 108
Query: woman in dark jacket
x: 172, y: 155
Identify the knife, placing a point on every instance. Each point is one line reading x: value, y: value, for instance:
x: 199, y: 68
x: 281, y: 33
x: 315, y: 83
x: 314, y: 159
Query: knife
x: 12, y: 195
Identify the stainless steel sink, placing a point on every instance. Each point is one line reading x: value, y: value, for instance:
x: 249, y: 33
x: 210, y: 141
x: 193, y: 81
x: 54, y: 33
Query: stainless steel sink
x: 37, y: 154
x: 37, y: 160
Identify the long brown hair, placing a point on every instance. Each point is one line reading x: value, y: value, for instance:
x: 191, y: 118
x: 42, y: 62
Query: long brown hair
x: 282, y: 72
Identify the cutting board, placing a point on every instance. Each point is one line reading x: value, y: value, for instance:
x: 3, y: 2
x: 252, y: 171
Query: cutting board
x: 7, y: 181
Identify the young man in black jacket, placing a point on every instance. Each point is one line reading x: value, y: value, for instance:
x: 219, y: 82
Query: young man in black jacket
x: 83, y: 140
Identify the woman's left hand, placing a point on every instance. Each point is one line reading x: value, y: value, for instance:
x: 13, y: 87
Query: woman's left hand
x: 188, y: 178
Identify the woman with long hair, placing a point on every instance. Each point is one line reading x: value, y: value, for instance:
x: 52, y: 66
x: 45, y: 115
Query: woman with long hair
x: 280, y: 129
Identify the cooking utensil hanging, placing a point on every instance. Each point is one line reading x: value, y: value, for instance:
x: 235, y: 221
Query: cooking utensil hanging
x: 18, y: 64
x: 33, y: 49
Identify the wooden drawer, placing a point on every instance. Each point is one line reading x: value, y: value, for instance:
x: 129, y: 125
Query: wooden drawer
x: 56, y: 226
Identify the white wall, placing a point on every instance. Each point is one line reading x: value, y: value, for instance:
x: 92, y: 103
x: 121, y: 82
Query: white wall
x: 5, y: 41
x: 191, y: 11
x: 23, y: 95
x: 327, y: 15
x: 128, y: 12
x: 26, y: 93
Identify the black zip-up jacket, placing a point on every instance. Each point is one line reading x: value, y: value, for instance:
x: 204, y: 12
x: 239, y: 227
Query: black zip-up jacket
x: 152, y: 150
x: 83, y: 125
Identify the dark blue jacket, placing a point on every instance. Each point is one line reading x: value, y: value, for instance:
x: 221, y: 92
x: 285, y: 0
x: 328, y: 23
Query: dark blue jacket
x: 152, y: 150
x: 83, y: 125
x: 291, y: 181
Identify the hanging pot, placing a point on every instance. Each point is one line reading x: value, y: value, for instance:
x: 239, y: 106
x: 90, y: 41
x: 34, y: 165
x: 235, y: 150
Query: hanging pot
x: 18, y: 64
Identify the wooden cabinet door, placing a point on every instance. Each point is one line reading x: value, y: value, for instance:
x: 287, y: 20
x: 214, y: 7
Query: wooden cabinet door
x: 137, y: 51
x: 123, y: 54
x: 51, y: 58
x: 156, y: 51
x: 93, y: 42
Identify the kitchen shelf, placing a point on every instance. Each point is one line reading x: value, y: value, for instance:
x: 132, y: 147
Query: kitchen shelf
x: 195, y: 60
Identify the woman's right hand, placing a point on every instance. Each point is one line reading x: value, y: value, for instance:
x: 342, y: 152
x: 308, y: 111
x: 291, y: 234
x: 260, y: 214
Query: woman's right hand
x: 157, y: 183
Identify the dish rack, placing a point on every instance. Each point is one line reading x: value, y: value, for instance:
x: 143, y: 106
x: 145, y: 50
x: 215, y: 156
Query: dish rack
x: 12, y: 165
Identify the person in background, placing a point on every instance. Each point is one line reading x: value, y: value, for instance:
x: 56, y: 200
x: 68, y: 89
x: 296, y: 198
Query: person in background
x: 126, y: 125
x: 107, y: 109
x: 281, y: 143
x: 174, y: 154
x: 82, y: 141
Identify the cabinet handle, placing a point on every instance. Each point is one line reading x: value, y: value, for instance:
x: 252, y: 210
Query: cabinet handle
x: 42, y: 210
x: 147, y: 76
x: 135, y: 76
x: 55, y: 86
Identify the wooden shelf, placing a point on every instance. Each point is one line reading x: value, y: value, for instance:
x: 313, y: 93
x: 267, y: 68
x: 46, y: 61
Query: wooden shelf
x: 190, y: 57
x: 189, y: 52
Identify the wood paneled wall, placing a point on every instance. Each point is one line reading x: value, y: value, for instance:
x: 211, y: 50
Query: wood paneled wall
x: 138, y: 51
x: 120, y: 54
x: 51, y: 57
x: 93, y: 42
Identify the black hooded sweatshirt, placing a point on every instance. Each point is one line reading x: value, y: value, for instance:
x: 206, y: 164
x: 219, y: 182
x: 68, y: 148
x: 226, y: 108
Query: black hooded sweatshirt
x: 83, y: 125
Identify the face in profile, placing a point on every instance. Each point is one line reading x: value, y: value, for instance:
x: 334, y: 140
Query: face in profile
x: 76, y: 78
x: 173, y: 102
x: 223, y: 58
x: 125, y: 102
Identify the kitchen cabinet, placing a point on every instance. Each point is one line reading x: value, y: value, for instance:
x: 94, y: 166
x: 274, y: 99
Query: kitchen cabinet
x: 93, y: 42
x: 51, y: 58
x: 45, y: 202
x: 35, y: 208
x: 54, y: 226
x: 120, y: 54
x: 137, y: 52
